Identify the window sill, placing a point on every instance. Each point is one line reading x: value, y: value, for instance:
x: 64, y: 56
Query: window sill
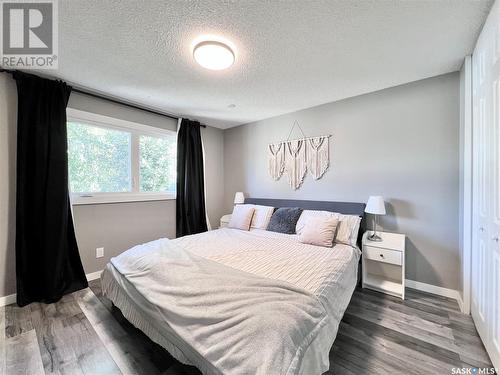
x: 106, y: 198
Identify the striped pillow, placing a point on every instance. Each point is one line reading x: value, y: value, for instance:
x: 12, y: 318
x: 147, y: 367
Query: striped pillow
x: 347, y: 229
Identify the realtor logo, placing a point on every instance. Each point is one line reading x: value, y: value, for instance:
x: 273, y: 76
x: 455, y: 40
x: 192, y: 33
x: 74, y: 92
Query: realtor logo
x: 29, y: 34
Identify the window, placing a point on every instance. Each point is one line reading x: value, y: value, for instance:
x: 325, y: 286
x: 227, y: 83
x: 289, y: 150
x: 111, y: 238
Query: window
x: 111, y: 160
x: 99, y: 159
x: 158, y: 168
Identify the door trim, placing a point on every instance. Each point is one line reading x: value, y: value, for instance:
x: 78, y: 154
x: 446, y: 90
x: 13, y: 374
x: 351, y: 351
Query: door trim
x: 466, y: 181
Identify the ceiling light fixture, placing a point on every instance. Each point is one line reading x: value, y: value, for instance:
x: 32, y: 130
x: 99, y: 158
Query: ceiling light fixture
x: 213, y: 55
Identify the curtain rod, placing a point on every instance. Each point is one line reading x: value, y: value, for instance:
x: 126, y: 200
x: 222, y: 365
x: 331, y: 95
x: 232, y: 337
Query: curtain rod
x: 116, y: 101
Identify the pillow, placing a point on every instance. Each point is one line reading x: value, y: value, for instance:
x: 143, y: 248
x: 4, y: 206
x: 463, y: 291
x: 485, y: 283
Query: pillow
x: 261, y: 216
x: 307, y: 214
x: 241, y: 217
x: 319, y: 231
x: 347, y: 228
x: 284, y: 220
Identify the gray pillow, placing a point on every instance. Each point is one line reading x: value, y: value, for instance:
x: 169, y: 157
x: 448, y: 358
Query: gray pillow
x: 284, y: 220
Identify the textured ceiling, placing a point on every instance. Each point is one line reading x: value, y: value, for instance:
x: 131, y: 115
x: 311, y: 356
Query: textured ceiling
x: 289, y: 55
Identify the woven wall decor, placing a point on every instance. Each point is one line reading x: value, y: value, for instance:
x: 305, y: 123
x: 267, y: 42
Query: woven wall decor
x: 276, y: 160
x: 294, y: 157
x: 318, y: 156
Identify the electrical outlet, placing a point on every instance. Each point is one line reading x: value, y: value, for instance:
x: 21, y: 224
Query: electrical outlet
x: 99, y: 252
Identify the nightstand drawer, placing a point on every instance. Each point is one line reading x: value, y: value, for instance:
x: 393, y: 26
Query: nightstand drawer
x: 382, y: 255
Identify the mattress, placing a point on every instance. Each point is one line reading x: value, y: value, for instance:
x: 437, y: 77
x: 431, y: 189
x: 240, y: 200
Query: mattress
x: 330, y: 274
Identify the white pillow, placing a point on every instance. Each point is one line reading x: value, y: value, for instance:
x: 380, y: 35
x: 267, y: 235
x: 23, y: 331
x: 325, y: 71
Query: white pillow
x: 241, y: 217
x: 319, y: 231
x: 261, y: 216
x: 347, y: 229
x: 307, y: 214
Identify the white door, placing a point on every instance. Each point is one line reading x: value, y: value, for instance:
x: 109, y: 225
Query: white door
x: 485, y: 288
x: 494, y: 339
x: 481, y: 193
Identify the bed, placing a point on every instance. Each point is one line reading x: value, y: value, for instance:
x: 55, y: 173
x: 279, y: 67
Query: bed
x: 239, y: 302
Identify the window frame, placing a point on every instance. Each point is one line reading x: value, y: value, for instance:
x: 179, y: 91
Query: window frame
x: 136, y: 130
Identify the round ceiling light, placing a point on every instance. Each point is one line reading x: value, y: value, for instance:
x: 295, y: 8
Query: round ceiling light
x: 213, y: 55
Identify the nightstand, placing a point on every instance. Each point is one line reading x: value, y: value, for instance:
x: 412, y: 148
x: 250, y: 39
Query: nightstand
x: 224, y: 221
x: 384, y: 263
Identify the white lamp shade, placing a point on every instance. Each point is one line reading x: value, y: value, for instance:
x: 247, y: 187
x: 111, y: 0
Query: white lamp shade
x: 375, y: 205
x: 239, y: 198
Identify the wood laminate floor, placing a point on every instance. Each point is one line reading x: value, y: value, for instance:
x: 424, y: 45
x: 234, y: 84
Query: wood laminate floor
x: 379, y: 334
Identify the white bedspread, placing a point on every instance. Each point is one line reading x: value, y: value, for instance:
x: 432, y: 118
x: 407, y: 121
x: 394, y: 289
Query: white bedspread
x: 244, y: 302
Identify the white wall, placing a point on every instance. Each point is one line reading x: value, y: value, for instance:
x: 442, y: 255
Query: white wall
x: 401, y: 143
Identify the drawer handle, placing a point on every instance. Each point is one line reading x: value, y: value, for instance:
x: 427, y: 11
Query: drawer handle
x: 381, y: 255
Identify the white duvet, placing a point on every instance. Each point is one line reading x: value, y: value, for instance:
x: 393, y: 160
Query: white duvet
x: 240, y: 302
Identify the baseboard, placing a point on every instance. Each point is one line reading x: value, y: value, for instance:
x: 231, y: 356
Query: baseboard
x: 93, y: 275
x: 460, y: 302
x: 10, y: 299
x: 433, y: 289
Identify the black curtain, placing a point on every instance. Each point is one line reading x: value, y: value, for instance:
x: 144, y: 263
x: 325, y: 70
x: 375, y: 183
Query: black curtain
x: 190, y: 213
x: 48, y: 263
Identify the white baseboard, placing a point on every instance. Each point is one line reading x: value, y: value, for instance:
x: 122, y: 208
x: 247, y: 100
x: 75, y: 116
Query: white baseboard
x: 433, y: 289
x: 93, y: 275
x: 10, y: 299
x: 460, y: 302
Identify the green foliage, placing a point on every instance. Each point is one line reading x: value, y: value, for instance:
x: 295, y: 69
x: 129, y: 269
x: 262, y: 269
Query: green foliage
x: 99, y: 161
x: 158, y: 164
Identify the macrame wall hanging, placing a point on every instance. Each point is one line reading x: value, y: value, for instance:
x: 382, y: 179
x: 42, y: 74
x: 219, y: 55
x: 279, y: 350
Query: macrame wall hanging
x: 294, y: 157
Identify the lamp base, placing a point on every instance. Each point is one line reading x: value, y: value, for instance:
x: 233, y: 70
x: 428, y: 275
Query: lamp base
x: 374, y: 238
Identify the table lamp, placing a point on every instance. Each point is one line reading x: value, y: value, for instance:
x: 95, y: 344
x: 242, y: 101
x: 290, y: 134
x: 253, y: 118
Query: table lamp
x: 376, y: 207
x: 239, y: 198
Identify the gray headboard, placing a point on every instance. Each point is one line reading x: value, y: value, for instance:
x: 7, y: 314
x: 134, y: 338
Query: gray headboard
x: 346, y: 208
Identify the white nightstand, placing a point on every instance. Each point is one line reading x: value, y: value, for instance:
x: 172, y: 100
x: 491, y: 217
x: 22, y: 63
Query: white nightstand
x: 384, y: 263
x: 224, y: 220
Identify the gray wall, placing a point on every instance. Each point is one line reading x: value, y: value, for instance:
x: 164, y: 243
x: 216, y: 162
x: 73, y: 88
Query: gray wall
x: 119, y: 226
x: 116, y: 227
x: 402, y: 143
x: 213, y: 140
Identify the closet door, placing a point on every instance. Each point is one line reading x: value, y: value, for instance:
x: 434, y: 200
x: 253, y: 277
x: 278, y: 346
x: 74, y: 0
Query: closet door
x: 485, y: 288
x: 494, y: 340
x: 481, y: 188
